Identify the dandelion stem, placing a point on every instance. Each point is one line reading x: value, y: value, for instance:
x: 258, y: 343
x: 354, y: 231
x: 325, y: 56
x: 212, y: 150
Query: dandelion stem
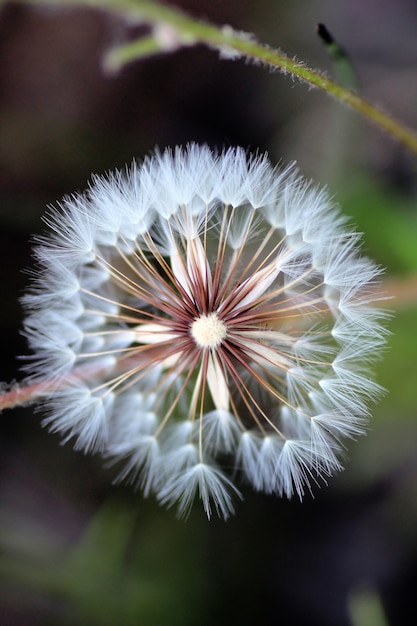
x: 21, y: 395
x: 176, y: 29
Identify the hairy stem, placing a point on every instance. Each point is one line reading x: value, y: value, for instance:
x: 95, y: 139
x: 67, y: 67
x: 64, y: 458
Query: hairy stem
x: 21, y: 394
x: 175, y: 29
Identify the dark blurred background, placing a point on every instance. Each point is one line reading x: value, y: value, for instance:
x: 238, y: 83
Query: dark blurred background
x: 75, y: 549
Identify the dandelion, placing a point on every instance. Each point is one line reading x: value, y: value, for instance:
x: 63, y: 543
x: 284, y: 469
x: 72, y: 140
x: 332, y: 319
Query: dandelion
x: 205, y: 317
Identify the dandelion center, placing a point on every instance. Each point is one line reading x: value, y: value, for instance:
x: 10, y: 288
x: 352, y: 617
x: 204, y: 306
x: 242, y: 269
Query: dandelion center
x: 208, y: 331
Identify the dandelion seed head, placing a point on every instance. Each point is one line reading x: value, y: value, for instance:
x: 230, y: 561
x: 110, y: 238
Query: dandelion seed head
x: 205, y: 317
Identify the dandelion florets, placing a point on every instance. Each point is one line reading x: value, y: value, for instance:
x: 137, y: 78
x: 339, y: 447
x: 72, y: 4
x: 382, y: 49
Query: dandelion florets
x: 205, y: 316
x: 208, y: 331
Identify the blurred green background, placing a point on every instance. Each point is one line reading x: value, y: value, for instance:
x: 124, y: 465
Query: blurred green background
x: 75, y: 549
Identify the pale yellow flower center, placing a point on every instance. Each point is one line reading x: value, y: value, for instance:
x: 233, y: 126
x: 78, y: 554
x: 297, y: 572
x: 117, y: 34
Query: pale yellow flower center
x: 208, y: 331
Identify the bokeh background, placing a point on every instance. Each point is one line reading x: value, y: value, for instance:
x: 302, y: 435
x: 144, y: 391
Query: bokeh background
x: 77, y: 549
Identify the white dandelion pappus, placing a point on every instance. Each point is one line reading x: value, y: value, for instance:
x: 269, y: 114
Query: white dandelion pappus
x: 205, y: 313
